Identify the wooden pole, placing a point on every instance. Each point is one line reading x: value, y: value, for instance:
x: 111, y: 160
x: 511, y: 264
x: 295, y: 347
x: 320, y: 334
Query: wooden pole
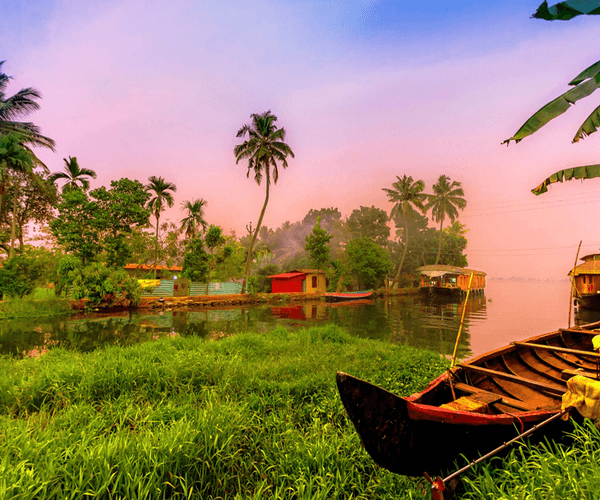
x: 462, y: 320
x: 573, y: 283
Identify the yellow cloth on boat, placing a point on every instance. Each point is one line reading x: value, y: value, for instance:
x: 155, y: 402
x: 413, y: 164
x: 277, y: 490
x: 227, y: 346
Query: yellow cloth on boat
x: 596, y: 342
x: 583, y: 394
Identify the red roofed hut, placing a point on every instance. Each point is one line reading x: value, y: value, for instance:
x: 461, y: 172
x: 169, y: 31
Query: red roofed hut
x: 299, y: 280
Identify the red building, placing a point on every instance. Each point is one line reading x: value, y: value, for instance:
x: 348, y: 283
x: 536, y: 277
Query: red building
x: 299, y: 280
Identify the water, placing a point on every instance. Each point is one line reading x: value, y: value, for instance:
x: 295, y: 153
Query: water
x: 510, y: 310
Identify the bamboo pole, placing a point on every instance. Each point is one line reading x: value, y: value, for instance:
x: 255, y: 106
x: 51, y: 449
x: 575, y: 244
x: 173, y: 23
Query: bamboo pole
x: 462, y: 320
x: 573, y: 282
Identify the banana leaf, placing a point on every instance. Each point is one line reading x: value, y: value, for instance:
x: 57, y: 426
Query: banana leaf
x: 555, y: 108
x: 569, y: 9
x: 589, y: 126
x: 583, y: 172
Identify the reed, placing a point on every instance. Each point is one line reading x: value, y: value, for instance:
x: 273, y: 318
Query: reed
x: 245, y: 417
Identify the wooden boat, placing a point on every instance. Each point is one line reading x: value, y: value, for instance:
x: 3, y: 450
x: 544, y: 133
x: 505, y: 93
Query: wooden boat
x: 450, y: 281
x: 341, y: 296
x: 472, y: 408
x: 586, y: 281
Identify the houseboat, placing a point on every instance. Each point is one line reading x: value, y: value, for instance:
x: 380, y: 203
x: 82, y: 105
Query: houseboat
x: 450, y: 281
x: 586, y: 280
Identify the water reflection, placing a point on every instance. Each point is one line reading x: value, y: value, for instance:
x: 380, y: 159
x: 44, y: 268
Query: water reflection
x: 403, y: 320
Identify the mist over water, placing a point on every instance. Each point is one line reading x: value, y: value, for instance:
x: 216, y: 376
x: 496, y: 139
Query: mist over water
x: 510, y: 310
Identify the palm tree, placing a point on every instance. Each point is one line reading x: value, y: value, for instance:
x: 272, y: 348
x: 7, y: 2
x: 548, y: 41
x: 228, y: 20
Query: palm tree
x: 20, y: 104
x: 447, y: 197
x: 263, y: 148
x: 14, y: 157
x: 161, y: 196
x: 195, y: 217
x: 76, y: 177
x: 406, y: 193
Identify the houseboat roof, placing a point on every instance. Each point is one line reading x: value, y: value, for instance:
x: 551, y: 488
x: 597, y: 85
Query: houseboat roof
x: 442, y: 269
x: 588, y: 267
x: 592, y: 256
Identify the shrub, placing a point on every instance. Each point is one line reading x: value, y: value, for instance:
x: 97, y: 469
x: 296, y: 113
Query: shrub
x: 18, y: 276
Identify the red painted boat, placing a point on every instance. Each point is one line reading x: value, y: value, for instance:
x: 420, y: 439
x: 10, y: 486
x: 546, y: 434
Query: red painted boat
x: 473, y: 407
x: 341, y: 296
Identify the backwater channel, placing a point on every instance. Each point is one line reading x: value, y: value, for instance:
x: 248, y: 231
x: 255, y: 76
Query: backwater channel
x: 510, y: 310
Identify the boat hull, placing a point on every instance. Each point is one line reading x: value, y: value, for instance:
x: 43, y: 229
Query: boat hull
x: 589, y: 301
x: 402, y: 437
x: 345, y: 296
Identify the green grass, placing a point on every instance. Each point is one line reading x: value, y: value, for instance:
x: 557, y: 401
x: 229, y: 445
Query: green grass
x: 32, y: 307
x: 249, y: 416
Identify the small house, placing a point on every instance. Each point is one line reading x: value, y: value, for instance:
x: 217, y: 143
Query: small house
x: 299, y: 280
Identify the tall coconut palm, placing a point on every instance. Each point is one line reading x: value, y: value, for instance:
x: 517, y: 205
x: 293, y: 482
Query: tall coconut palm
x: 18, y: 105
x: 14, y: 158
x: 195, y: 217
x: 161, y: 192
x: 263, y: 149
x: 76, y: 177
x: 406, y: 194
x: 446, y: 199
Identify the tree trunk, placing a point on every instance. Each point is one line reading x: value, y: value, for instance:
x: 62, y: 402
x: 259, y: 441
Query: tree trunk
x: 437, y: 259
x: 13, y: 225
x: 156, y: 244
x: 397, y: 278
x: 254, y: 236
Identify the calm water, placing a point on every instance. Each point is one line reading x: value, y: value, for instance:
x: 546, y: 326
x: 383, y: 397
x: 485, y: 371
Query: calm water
x: 510, y: 310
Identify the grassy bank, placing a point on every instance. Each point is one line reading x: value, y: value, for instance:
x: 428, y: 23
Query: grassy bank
x: 247, y: 416
x: 41, y: 304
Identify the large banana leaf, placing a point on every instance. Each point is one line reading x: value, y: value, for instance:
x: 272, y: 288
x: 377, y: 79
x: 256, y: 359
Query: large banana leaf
x: 557, y: 107
x: 584, y: 172
x: 564, y: 11
x: 589, y: 126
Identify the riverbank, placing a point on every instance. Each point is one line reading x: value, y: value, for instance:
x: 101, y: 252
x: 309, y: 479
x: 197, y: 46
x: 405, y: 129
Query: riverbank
x: 176, y: 303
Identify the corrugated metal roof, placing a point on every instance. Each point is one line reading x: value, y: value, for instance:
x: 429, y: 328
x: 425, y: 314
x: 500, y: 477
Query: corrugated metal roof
x: 286, y: 275
x: 589, y: 267
x: 449, y: 269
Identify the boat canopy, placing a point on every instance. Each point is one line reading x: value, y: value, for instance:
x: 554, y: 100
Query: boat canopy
x: 437, y: 270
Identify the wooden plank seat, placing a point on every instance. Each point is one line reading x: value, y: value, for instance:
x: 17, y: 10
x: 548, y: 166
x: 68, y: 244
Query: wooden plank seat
x: 506, y: 400
x: 567, y: 374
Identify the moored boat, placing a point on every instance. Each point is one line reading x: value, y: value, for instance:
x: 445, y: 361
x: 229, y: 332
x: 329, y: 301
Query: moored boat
x: 586, y: 282
x: 342, y: 296
x: 472, y: 408
x: 450, y: 281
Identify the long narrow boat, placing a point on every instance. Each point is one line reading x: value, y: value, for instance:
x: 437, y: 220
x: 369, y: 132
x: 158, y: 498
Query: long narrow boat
x: 472, y: 408
x: 340, y: 296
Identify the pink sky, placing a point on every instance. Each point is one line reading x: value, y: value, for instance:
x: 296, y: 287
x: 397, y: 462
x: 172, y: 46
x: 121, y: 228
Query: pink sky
x: 366, y: 92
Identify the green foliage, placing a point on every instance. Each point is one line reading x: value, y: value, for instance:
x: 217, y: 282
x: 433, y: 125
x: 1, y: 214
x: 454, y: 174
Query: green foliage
x: 19, y: 275
x: 368, y: 264
x: 369, y: 222
x: 104, y: 286
x: 195, y: 261
x: 253, y: 285
x: 64, y: 267
x: 338, y: 277
x: 317, y: 245
x: 99, y: 223
x: 263, y: 283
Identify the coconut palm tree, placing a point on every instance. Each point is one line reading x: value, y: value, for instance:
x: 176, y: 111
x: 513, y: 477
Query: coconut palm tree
x: 20, y: 104
x: 446, y: 199
x: 14, y: 158
x: 406, y: 194
x: 76, y: 177
x: 195, y: 217
x: 161, y: 192
x: 263, y: 148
